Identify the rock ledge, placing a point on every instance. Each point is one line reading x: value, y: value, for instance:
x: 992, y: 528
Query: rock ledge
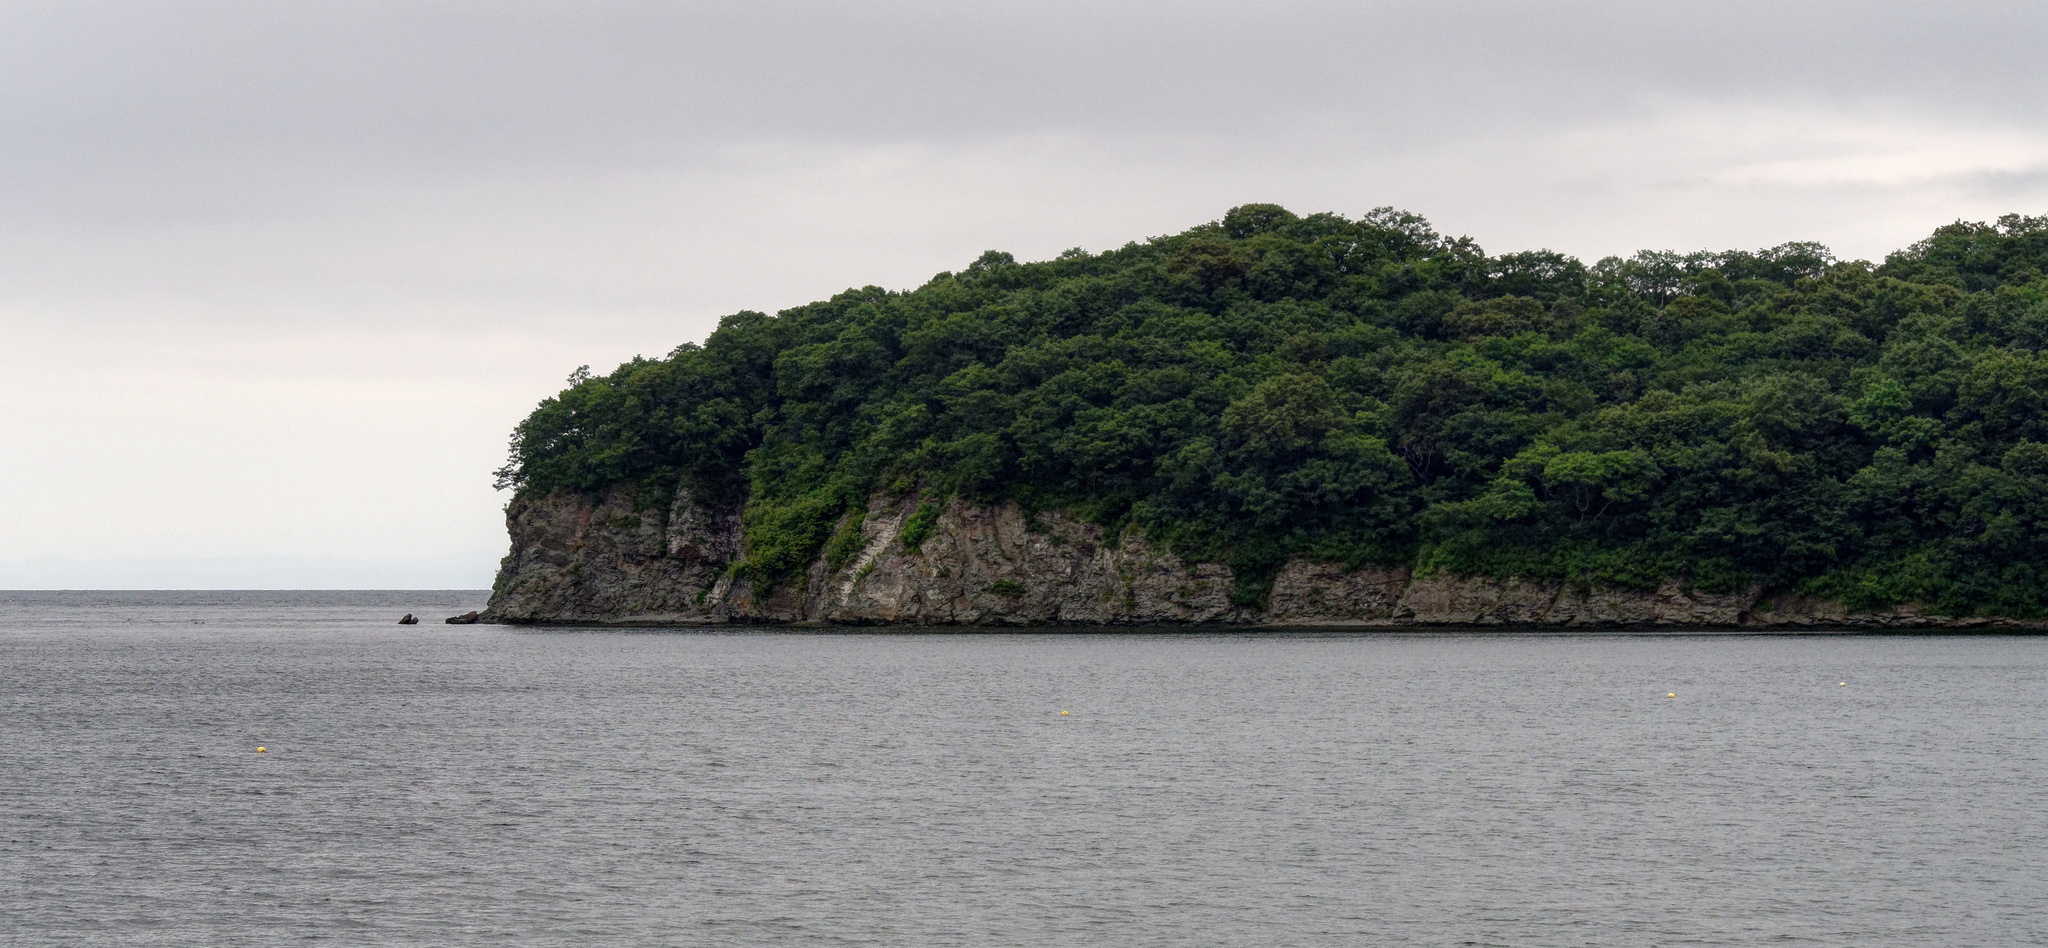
x: 622, y: 558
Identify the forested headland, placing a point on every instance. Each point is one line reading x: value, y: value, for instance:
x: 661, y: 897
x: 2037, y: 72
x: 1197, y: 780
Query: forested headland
x: 1368, y: 391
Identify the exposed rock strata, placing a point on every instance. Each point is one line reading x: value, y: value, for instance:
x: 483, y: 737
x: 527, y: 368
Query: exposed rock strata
x: 622, y: 557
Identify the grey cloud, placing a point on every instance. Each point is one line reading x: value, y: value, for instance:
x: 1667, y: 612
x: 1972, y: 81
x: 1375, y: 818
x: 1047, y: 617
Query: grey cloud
x: 277, y: 277
x: 2020, y: 184
x: 194, y: 90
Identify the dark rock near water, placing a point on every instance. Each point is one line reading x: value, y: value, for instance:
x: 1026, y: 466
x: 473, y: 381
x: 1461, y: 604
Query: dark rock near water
x: 621, y: 556
x: 409, y: 619
x: 467, y: 618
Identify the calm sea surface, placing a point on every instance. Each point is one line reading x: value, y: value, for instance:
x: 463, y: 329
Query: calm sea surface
x: 479, y: 785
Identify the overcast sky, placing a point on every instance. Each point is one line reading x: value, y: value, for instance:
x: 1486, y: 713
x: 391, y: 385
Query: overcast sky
x: 277, y: 279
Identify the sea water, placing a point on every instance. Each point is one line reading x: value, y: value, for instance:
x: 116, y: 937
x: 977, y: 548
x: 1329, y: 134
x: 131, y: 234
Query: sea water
x: 487, y: 785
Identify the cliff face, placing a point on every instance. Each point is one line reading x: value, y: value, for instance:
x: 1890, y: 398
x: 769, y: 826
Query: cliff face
x: 624, y: 557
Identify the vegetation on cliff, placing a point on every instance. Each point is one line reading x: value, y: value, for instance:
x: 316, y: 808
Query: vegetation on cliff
x: 1368, y: 391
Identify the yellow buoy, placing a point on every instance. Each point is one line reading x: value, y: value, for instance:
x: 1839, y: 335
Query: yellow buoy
x: 1672, y: 695
x: 262, y: 750
x: 1842, y: 685
x: 1063, y: 712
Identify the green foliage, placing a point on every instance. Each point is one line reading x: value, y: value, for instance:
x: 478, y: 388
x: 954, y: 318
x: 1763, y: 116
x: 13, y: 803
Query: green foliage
x: 919, y: 526
x: 1006, y: 589
x: 1272, y: 386
x: 846, y: 541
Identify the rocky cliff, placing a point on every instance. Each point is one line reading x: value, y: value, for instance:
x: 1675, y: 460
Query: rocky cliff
x: 628, y: 557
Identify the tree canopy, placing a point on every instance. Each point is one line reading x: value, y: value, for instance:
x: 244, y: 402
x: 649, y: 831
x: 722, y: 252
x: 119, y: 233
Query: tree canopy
x: 1369, y: 391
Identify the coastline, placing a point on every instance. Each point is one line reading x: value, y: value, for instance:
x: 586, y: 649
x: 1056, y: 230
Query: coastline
x: 627, y: 558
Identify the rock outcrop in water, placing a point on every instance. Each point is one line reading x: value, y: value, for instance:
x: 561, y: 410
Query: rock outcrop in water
x: 623, y: 557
